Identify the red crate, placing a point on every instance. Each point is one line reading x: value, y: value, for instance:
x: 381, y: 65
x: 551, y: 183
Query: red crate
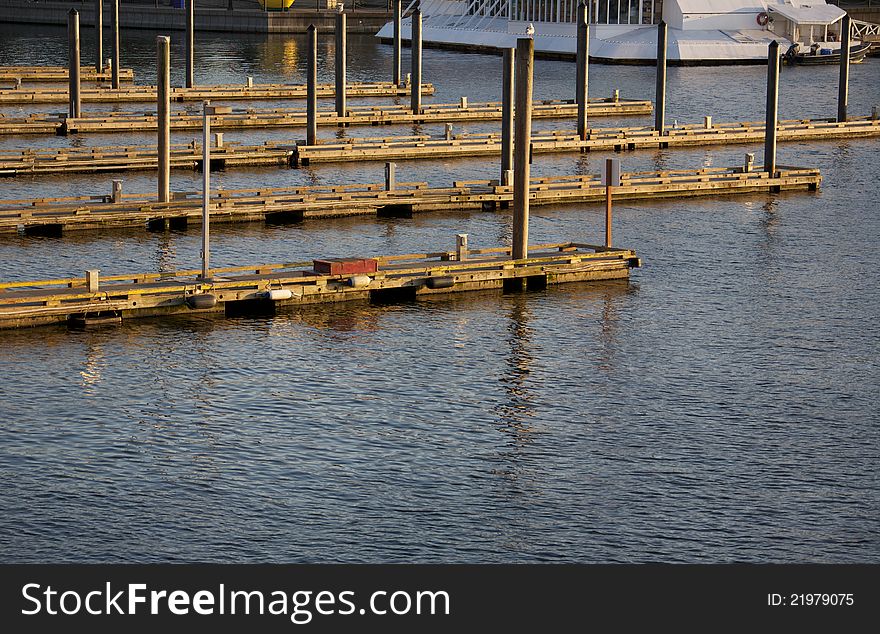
x: 346, y: 266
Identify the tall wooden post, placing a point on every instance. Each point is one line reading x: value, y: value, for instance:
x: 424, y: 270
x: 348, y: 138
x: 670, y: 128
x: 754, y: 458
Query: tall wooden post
x: 114, y: 63
x: 206, y: 190
x: 99, y: 36
x: 416, y: 85
x: 583, y: 64
x: 507, y: 97
x: 312, y: 87
x: 190, y: 42
x: 843, y: 86
x: 73, y: 67
x: 660, y: 99
x: 772, y: 108
x: 340, y: 64
x: 525, y: 57
x: 395, y: 73
x: 163, y: 115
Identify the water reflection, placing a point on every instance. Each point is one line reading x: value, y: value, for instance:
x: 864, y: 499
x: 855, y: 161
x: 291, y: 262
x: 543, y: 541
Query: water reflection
x: 516, y: 414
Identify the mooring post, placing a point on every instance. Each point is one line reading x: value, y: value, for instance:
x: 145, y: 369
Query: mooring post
x: 448, y: 131
x: 525, y: 55
x: 206, y: 190
x: 610, y: 178
x: 218, y: 139
x: 395, y: 71
x: 583, y: 64
x: 843, y: 85
x: 116, y: 190
x: 114, y: 64
x: 99, y: 36
x: 163, y: 116
x: 749, y: 162
x: 772, y: 108
x: 190, y: 42
x: 390, y: 176
x: 507, y: 114
x: 660, y: 99
x: 312, y: 87
x: 416, y: 85
x: 92, y: 280
x: 73, y: 67
x: 461, y: 246
x: 340, y: 63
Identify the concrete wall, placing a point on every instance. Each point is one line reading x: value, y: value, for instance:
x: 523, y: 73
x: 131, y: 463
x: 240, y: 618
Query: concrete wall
x: 139, y: 16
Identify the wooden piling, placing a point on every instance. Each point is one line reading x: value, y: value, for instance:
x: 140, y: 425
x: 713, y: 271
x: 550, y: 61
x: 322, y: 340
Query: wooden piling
x: 771, y: 120
x: 312, y: 87
x: 395, y: 71
x: 114, y: 63
x: 99, y: 36
x: 390, y: 177
x: 507, y: 97
x: 190, y: 42
x: 340, y: 64
x: 843, y: 85
x: 660, y: 98
x: 583, y: 61
x: 163, y: 113
x: 74, y: 102
x: 206, y: 191
x: 525, y: 55
x: 416, y: 80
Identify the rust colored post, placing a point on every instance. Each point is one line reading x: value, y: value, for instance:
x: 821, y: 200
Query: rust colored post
x: 163, y: 116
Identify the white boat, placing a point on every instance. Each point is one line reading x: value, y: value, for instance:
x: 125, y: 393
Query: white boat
x: 624, y: 31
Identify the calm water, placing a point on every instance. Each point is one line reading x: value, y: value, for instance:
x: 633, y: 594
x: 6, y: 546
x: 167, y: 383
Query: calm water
x: 721, y: 406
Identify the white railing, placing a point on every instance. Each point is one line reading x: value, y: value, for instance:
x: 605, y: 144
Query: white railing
x: 472, y: 14
x: 862, y: 29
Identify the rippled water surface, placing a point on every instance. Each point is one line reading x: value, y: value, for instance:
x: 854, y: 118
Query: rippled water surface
x: 721, y: 406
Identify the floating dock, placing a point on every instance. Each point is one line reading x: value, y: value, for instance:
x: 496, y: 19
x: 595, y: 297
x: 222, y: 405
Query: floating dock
x: 262, y: 289
x: 294, y: 153
x: 22, y: 74
x: 618, y: 139
x: 230, y: 92
x: 255, y: 118
x: 53, y: 216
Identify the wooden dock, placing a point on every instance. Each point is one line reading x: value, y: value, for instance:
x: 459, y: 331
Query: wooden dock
x: 262, y: 289
x: 53, y: 216
x: 229, y: 92
x: 617, y: 139
x: 50, y: 74
x: 255, y: 118
x: 294, y: 153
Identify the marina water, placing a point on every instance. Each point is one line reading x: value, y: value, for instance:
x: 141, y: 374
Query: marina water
x: 721, y: 406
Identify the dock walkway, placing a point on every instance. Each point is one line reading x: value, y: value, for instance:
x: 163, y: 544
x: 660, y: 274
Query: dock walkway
x: 53, y: 216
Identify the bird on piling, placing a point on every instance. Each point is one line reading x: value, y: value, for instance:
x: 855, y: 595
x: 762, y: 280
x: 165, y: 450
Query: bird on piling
x: 530, y: 29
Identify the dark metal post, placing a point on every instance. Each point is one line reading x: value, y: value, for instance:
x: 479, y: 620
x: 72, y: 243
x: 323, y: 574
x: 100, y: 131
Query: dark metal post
x: 206, y: 190
x: 99, y: 36
x: 525, y: 56
x: 163, y: 115
x: 114, y: 64
x: 660, y: 99
x: 507, y: 98
x: 312, y: 87
x: 190, y: 42
x: 843, y: 86
x: 395, y: 75
x: 583, y: 64
x: 416, y: 42
x: 340, y: 64
x: 73, y: 67
x: 772, y: 108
